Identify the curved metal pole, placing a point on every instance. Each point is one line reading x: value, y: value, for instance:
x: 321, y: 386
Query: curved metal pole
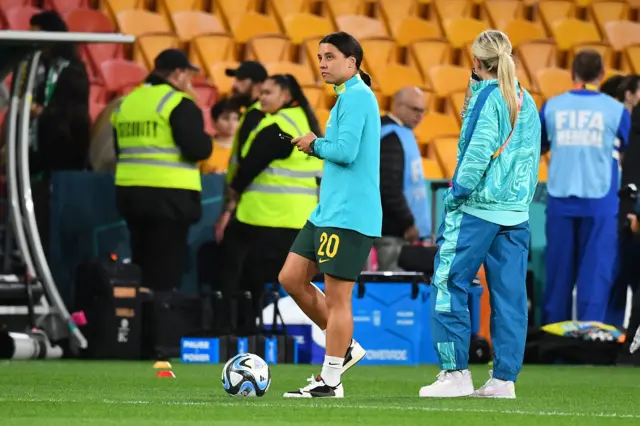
x: 12, y: 173
x: 32, y: 227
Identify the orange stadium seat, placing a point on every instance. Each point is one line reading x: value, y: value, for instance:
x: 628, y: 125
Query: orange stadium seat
x: 543, y: 170
x: 455, y: 102
x: 148, y: 47
x: 603, y: 12
x: 460, y: 31
x: 254, y: 24
x: 140, y: 22
x: 230, y: 11
x: 393, y: 11
x: 534, y: 56
x: 571, y: 32
x: 216, y: 71
x: 323, y: 116
x: 429, y: 53
x: 166, y: 8
x: 336, y: 8
x: 361, y: 26
x: 88, y: 20
x: 302, y: 73
x: 113, y: 7
x: 521, y: 31
x: 452, y: 9
x: 301, y: 26
x: 411, y: 28
x: 207, y: 50
x: 552, y: 11
x: 18, y: 17
x: 269, y: 48
x: 500, y: 12
x: 446, y: 150
x: 379, y: 52
x: 447, y: 79
x: 284, y: 8
x: 434, y: 125
x: 632, y: 58
x: 315, y: 96
x: 621, y: 34
x: 64, y: 6
x: 431, y: 169
x: 120, y: 75
x: 553, y: 81
x: 194, y: 23
x: 393, y: 77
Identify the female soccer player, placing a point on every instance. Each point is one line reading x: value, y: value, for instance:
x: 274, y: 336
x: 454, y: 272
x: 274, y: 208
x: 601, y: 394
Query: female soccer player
x: 338, y: 237
x: 487, y: 221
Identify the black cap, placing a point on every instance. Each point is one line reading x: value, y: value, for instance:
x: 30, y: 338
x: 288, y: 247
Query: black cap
x: 173, y: 59
x: 249, y: 69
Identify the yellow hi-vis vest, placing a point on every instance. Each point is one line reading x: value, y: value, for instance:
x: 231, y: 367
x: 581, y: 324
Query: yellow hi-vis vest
x: 233, y: 162
x: 148, y: 154
x: 286, y: 192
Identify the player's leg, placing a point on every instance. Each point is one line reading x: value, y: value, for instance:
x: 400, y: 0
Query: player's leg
x: 561, y: 266
x: 463, y: 242
x: 598, y: 245
x: 341, y: 256
x: 506, y: 269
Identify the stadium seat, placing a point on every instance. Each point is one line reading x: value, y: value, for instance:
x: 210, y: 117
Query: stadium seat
x: 603, y: 48
x: 393, y: 77
x: 64, y: 6
x: 269, y: 48
x: 88, y: 20
x: 282, y: 9
x: 361, y: 26
x: 632, y: 58
x: 302, y: 73
x: 543, y: 170
x: 523, y: 78
x: 209, y: 49
x: 18, y: 17
x: 431, y: 169
x: 310, y: 48
x: 113, y: 7
x: 206, y: 93
x: 410, y: 29
x: 393, y: 11
x: 323, y: 116
x: 429, y: 53
x: 254, y: 24
x: 150, y: 46
x: 455, y: 101
x: 379, y: 52
x: 452, y: 9
x: 230, y: 11
x: 553, y: 81
x: 434, y: 125
x: 194, y: 23
x: 315, y: 96
x: 552, y: 11
x: 301, y: 26
x: 336, y: 8
x: 446, y: 150
x: 166, y: 8
x: 216, y: 72
x: 208, y: 124
x: 460, y: 31
x: 97, y: 53
x: 521, y: 31
x: 97, y: 93
x: 534, y: 56
x: 603, y: 12
x: 499, y: 12
x: 8, y: 4
x: 571, y: 32
x: 121, y: 75
x: 621, y: 34
x: 140, y: 22
x: 447, y: 79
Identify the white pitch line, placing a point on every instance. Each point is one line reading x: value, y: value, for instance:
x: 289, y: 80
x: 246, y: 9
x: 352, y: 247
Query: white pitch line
x: 253, y: 403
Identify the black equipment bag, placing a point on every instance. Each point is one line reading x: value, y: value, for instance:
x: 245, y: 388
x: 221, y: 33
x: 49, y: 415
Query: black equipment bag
x: 109, y: 294
x: 630, y: 351
x: 418, y: 258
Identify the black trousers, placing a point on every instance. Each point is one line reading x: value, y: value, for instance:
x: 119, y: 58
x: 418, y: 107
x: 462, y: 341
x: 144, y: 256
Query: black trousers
x: 250, y: 257
x: 159, y: 248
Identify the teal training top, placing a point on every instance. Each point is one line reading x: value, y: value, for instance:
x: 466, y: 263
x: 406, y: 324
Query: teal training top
x: 350, y: 188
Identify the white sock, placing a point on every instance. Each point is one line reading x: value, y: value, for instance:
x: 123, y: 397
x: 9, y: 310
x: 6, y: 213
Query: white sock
x: 332, y: 370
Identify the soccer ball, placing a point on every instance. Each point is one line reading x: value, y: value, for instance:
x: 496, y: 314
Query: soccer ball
x: 246, y: 375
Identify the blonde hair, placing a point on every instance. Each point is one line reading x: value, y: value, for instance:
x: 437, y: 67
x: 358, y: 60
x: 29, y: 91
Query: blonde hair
x: 493, y: 49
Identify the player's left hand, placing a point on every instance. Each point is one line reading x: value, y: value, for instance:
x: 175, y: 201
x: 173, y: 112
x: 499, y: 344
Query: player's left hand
x: 304, y: 142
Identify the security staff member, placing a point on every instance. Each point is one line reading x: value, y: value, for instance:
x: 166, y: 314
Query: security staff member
x: 273, y: 191
x: 248, y: 79
x: 586, y: 131
x: 159, y: 135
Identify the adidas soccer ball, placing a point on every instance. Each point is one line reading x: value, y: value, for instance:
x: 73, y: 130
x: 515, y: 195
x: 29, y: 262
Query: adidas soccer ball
x: 246, y: 375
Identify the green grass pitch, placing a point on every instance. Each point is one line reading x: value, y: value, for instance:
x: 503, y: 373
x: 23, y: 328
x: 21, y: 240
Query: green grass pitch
x: 68, y: 393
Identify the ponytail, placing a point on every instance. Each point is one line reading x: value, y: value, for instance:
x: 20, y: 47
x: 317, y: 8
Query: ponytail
x: 365, y: 77
x: 506, y: 83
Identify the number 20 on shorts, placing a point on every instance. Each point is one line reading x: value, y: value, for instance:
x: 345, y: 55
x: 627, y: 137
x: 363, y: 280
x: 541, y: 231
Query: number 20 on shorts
x: 328, y: 245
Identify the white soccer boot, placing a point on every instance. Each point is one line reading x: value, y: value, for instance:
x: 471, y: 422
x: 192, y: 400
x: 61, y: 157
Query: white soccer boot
x: 317, y: 388
x: 496, y: 388
x: 354, y: 354
x: 449, y: 384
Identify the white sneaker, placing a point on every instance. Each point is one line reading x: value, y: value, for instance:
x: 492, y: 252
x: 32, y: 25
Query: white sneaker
x: 450, y: 384
x: 317, y: 388
x: 354, y: 354
x: 496, y: 388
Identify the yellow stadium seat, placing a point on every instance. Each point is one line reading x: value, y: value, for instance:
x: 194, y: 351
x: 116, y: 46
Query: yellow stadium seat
x: 148, y: 47
x: 207, y: 50
x: 192, y: 23
x: 521, y: 31
x: 254, y: 24
x: 310, y: 48
x: 452, y: 9
x: 602, y: 48
x: 447, y: 79
x: 632, y: 58
x: 379, y: 52
x: 460, y: 31
x: 434, y: 125
x: 410, y: 29
x: 393, y: 11
x: 315, y: 96
x: 113, y: 7
x: 323, y: 116
x: 499, y: 12
x: 217, y: 73
x: 230, y: 11
x: 603, y: 12
x: 621, y: 34
x: 552, y: 11
x: 523, y: 78
x: 553, y: 81
x: 361, y: 26
x: 302, y: 73
x: 536, y: 55
x: 269, y: 48
x: 301, y: 26
x: 394, y: 77
x: 570, y: 32
x: 336, y: 8
x: 140, y: 22
x: 429, y: 53
x: 166, y: 8
x: 446, y: 150
x: 543, y: 171
x: 431, y: 169
x: 537, y: 98
x: 455, y: 103
x: 283, y: 8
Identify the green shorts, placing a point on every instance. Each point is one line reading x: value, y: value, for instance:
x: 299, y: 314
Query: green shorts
x: 338, y: 252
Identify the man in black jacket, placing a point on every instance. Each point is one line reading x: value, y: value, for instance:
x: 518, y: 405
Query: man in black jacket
x: 404, y: 204
x: 158, y: 186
